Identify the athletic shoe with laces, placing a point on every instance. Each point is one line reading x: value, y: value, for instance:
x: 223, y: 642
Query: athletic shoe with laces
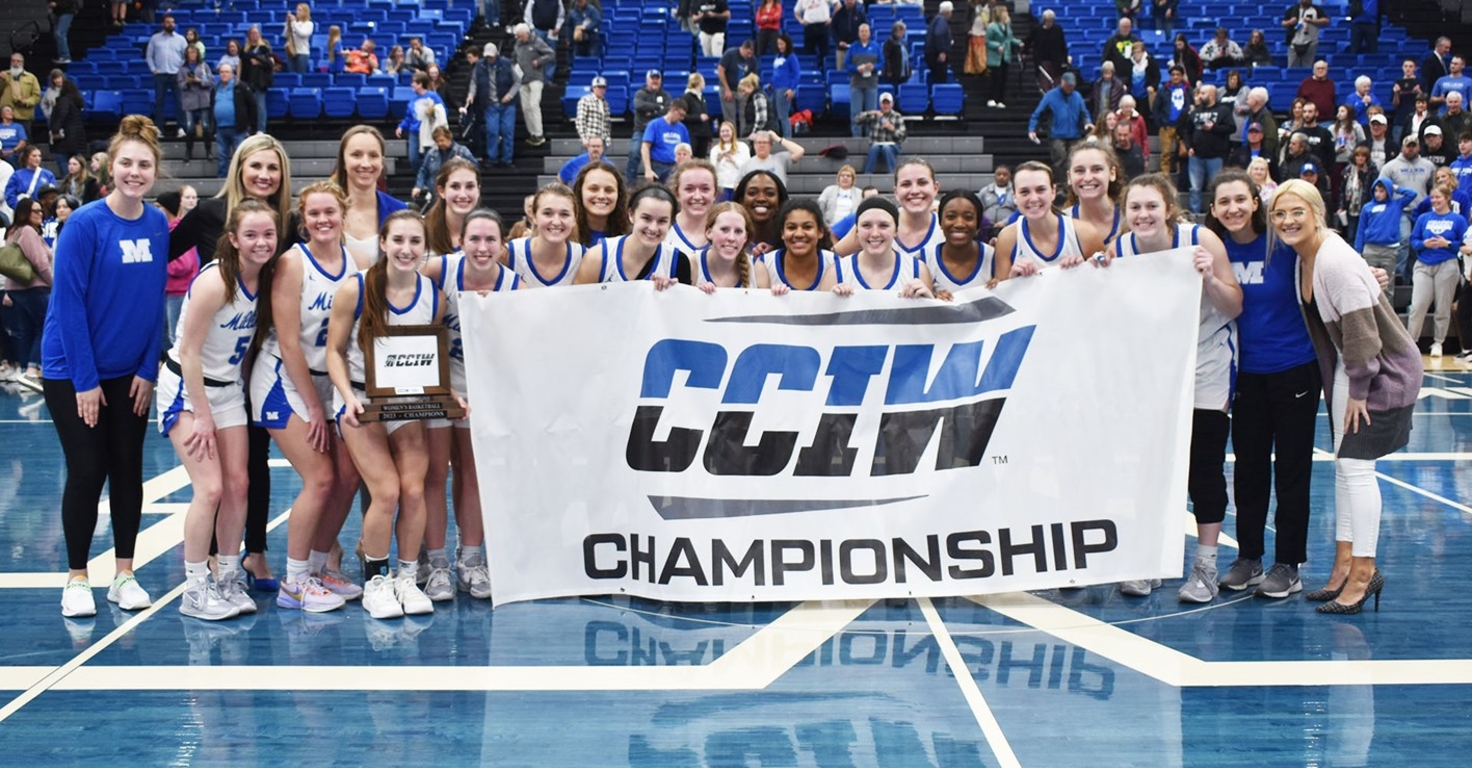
x: 126, y: 592
x: 308, y: 595
x: 336, y: 583
x: 475, y: 578
x: 412, y: 598
x: 1138, y: 587
x: 380, y: 599
x: 232, y: 588
x: 1436, y: 349
x: 1200, y: 586
x: 421, y: 574
x: 1282, y: 581
x: 438, y: 589
x: 1244, y: 573
x: 76, y: 599
x: 29, y: 381
x: 202, y: 600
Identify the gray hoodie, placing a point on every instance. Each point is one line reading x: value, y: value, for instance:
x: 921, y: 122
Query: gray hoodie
x: 534, y: 49
x: 1414, y: 175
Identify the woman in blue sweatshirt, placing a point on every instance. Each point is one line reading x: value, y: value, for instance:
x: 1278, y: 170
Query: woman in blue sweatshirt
x: 1378, y: 234
x: 786, y: 74
x: 1436, y: 238
x: 99, y: 359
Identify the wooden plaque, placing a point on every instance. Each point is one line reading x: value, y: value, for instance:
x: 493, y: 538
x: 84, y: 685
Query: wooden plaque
x: 407, y: 373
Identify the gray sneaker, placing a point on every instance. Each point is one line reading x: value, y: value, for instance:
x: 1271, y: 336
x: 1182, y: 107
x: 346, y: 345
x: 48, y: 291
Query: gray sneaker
x: 1282, y: 581
x: 1139, y: 587
x: 1200, y: 586
x: 438, y: 587
x: 1244, y: 573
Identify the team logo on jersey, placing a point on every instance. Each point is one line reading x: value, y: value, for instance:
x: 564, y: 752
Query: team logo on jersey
x: 949, y: 396
x: 1248, y: 272
x: 136, y: 251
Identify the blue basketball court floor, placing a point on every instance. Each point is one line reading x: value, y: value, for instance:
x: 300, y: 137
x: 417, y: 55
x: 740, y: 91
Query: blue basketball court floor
x: 1032, y: 679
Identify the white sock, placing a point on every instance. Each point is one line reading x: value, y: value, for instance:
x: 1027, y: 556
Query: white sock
x: 196, y: 572
x: 408, y: 569
x: 316, y: 562
x: 1206, y: 554
x: 297, y: 571
x: 228, y: 564
x: 438, y: 557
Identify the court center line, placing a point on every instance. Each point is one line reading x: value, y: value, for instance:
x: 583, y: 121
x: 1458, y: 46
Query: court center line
x: 995, y: 737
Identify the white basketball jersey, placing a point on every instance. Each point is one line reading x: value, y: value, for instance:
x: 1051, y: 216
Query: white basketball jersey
x: 420, y: 311
x: 452, y: 283
x: 613, y: 261
x: 774, y: 262
x: 678, y: 240
x: 1216, y: 340
x: 933, y: 236
x: 985, y: 270
x: 1077, y: 215
x: 906, y: 267
x: 1068, y: 244
x: 231, y: 329
x: 318, y: 288
x: 519, y: 253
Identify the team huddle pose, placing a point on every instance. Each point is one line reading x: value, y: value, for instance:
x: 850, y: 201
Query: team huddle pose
x: 272, y: 336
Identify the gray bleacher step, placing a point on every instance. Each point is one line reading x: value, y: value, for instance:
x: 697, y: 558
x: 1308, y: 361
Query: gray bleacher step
x: 812, y: 184
x: 298, y: 150
x: 312, y: 168
x: 827, y: 166
x: 915, y: 145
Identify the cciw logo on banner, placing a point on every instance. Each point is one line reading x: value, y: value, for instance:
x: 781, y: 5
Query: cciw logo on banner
x: 961, y: 401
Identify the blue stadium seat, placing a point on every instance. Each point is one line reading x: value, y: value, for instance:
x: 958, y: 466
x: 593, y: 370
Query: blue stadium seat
x: 339, y: 101
x: 373, y: 103
x: 398, y: 102
x: 137, y: 101
x: 350, y: 80
x: 106, y: 105
x: 618, y: 100
x: 287, y: 80
x: 813, y: 98
x: 570, y: 99
x: 914, y: 99
x: 316, y: 80
x: 304, y: 103
x: 948, y: 98
x: 278, y: 103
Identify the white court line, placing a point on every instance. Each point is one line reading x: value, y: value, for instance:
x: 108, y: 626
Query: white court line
x: 753, y: 664
x: 1174, y: 667
x: 995, y: 737
x: 1320, y: 454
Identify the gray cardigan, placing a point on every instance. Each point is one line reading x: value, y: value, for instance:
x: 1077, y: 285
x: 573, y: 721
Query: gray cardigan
x: 534, y: 49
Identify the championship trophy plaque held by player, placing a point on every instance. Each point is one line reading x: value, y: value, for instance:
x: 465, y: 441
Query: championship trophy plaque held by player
x: 408, y: 375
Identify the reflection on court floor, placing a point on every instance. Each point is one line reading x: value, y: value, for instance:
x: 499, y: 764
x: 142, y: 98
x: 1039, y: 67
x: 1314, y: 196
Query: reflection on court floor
x: 1033, y: 679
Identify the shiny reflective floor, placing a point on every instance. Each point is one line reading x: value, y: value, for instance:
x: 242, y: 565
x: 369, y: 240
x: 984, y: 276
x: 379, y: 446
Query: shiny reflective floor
x: 1036, y: 679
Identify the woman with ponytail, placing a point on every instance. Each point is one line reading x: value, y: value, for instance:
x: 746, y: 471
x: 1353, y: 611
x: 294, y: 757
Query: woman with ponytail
x: 641, y: 254
x: 456, y: 194
x: 725, y: 262
x: 98, y: 370
x: 551, y: 256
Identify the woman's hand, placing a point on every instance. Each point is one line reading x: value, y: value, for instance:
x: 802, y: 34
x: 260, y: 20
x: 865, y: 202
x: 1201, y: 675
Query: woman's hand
x: 662, y: 283
x: 200, y: 444
x: 843, y: 289
x: 1202, y: 260
x: 944, y: 295
x: 141, y: 393
x: 706, y: 287
x: 780, y: 289
x: 916, y: 289
x: 1355, y: 412
x: 318, y: 438
x: 1024, y: 268
x: 89, y: 403
x: 1382, y: 277
x: 760, y: 249
x: 350, y: 411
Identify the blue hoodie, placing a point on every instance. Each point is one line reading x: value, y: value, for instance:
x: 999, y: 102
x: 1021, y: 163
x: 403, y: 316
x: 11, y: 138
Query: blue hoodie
x: 1380, y: 220
x: 1448, y: 225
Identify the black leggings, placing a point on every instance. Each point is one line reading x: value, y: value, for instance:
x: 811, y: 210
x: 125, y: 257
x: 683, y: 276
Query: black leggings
x: 1275, y: 413
x: 997, y: 81
x: 1206, y: 482
x: 111, y: 453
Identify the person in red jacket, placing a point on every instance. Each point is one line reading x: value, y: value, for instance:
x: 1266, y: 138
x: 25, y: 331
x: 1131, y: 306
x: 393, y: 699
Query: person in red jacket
x: 1318, y: 88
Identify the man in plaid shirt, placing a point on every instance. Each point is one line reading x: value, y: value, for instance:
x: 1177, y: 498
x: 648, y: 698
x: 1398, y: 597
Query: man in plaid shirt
x: 886, y: 133
x: 593, y: 117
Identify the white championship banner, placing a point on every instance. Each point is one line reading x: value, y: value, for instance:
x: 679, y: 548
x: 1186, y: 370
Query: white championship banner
x: 740, y: 446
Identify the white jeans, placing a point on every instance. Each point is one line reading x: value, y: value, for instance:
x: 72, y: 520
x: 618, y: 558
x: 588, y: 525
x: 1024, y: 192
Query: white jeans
x: 1436, y: 282
x: 713, y: 45
x: 1356, y: 490
x: 531, y: 106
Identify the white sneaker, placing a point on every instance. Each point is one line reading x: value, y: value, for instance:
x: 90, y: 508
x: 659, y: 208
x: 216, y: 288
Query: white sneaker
x: 33, y: 383
x: 413, y: 599
x: 438, y: 587
x: 991, y: 102
x: 379, y: 599
x: 1435, y: 353
x: 1138, y: 587
x: 309, y: 595
x: 181, y: 133
x: 474, y: 578
x: 76, y: 599
x: 232, y: 588
x: 126, y: 592
x: 202, y: 600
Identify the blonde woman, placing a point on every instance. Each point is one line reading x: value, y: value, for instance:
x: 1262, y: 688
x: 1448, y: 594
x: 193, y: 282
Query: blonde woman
x: 840, y: 198
x: 299, y: 29
x: 728, y: 154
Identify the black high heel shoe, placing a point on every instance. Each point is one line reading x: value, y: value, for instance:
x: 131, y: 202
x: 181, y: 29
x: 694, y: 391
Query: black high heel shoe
x: 1325, y: 594
x: 1377, y: 583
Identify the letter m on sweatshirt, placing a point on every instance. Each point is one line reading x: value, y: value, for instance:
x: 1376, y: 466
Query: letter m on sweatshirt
x: 136, y: 252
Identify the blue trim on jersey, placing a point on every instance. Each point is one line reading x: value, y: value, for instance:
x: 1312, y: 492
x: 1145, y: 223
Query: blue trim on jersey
x: 434, y: 299
x: 318, y: 266
x: 418, y: 289
x: 619, y: 260
x: 170, y: 417
x: 358, y: 310
x: 940, y: 264
x: 240, y: 281
x: 459, y: 276
x: 1057, y: 250
x: 680, y: 233
x: 532, y: 265
x: 1076, y: 215
x: 893, y: 278
x: 704, y: 270
x: 276, y: 402
x: 780, y: 254
x: 934, y: 222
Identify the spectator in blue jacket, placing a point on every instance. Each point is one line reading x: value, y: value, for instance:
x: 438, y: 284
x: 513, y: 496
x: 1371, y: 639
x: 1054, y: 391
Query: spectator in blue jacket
x: 1070, y: 117
x: 28, y: 178
x: 1436, y: 238
x: 586, y: 22
x: 573, y: 167
x: 445, y: 148
x: 1378, y: 235
x: 864, y: 62
x: 786, y: 73
x: 938, y: 45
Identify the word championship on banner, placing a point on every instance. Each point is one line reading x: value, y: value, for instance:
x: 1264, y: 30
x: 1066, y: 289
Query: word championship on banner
x: 748, y: 447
